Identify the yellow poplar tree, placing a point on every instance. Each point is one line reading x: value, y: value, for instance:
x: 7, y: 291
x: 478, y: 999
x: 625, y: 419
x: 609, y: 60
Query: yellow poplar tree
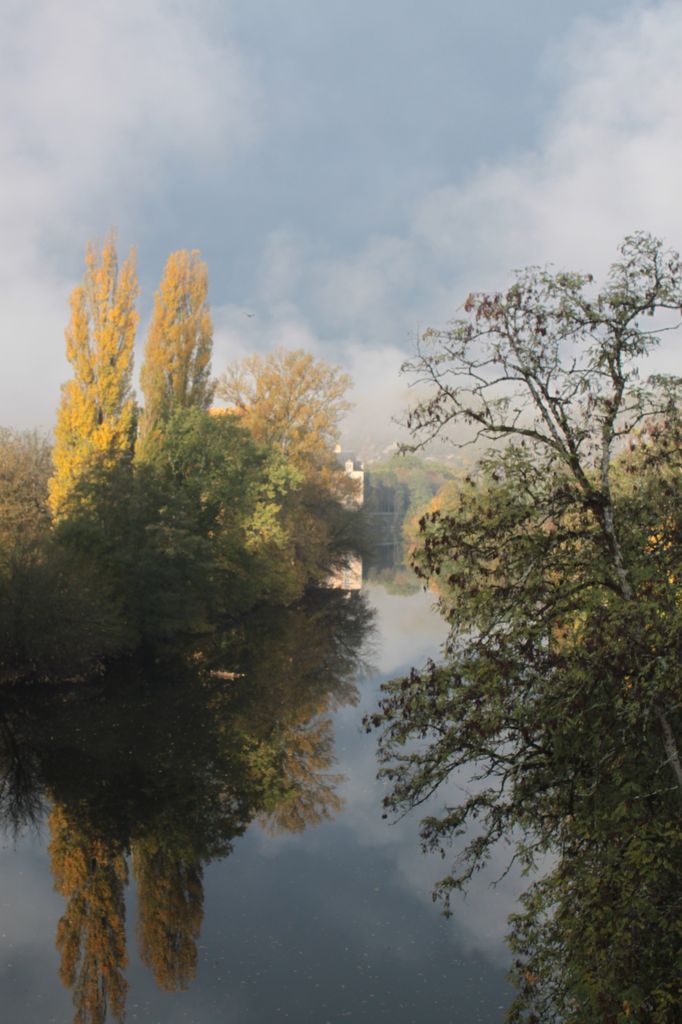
x: 96, y: 416
x: 177, y: 363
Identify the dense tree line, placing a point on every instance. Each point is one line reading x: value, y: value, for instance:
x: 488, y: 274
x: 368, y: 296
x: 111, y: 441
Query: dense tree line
x: 557, y: 709
x: 143, y: 523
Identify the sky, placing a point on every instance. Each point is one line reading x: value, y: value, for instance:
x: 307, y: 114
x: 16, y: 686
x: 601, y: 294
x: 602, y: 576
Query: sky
x: 349, y: 171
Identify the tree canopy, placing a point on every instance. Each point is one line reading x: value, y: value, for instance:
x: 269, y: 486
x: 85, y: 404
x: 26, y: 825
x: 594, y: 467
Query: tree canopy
x: 176, y: 372
x: 135, y: 527
x: 290, y: 400
x: 557, y: 707
x: 96, y: 417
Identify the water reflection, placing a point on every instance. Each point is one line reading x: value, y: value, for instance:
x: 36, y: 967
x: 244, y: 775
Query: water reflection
x: 170, y: 896
x: 90, y: 872
x: 162, y: 768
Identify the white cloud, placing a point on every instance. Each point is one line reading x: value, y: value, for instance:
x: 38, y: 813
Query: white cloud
x: 280, y: 271
x: 240, y: 332
x: 608, y: 163
x: 360, y: 291
x: 97, y: 97
x: 104, y: 105
x: 97, y: 102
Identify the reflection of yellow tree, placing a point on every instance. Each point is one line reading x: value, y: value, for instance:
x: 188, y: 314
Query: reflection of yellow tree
x: 310, y: 790
x: 208, y: 759
x: 91, y: 874
x: 170, y: 900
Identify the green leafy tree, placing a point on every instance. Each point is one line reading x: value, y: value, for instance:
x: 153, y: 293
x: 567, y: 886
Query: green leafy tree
x: 292, y: 403
x: 559, y: 695
x: 213, y: 545
x: 54, y: 619
x: 191, y: 536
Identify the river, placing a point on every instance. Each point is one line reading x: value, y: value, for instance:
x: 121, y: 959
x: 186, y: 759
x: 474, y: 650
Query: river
x: 213, y: 850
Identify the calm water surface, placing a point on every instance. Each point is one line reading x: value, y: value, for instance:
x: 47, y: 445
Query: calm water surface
x: 206, y: 844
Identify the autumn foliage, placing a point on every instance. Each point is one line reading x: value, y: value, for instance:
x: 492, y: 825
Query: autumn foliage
x: 176, y: 372
x: 143, y: 523
x: 96, y: 417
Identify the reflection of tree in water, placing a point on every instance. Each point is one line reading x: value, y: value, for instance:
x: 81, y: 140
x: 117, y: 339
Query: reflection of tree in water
x: 285, y: 709
x: 309, y: 790
x: 21, y: 797
x: 170, y: 766
x: 90, y: 873
x: 170, y: 899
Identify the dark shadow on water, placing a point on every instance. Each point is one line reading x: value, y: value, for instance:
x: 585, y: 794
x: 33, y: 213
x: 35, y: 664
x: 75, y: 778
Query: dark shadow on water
x: 158, y: 769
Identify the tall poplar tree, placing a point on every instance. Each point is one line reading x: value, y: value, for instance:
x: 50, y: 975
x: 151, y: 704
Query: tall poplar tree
x: 177, y: 363
x: 96, y: 416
